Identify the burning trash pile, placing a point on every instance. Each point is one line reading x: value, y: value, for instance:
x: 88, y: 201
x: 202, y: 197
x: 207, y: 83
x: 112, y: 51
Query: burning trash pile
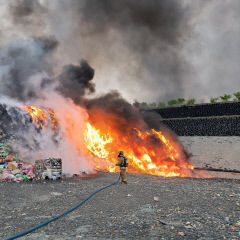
x: 51, y: 115
x: 96, y: 140
x: 14, y: 169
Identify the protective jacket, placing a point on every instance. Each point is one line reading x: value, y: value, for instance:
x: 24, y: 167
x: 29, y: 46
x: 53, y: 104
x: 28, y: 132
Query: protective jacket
x: 121, y: 163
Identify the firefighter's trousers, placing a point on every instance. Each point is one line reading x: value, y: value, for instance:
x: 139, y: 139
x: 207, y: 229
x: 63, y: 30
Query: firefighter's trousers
x: 123, y: 175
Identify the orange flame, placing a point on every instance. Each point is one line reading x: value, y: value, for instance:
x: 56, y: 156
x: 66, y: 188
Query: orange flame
x: 149, y: 151
x: 40, y: 117
x: 143, y: 159
x: 95, y: 142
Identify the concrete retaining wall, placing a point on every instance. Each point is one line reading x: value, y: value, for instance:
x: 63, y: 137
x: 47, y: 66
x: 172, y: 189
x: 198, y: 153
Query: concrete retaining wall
x: 210, y: 132
x: 210, y: 126
x: 201, y: 110
x: 214, y: 152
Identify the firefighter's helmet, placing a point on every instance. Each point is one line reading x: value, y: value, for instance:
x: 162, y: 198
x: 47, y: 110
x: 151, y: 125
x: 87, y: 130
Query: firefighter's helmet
x: 120, y: 154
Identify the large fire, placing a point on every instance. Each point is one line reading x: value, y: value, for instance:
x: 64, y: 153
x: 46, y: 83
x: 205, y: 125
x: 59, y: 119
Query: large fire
x: 149, y: 151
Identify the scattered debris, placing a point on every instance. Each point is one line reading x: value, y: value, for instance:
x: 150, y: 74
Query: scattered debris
x: 14, y: 169
x: 234, y: 229
x: 187, y: 225
x: 156, y: 199
x: 237, y: 224
x: 56, y: 193
x: 181, y: 234
x: 227, y: 219
x: 163, y: 222
x: 50, y: 168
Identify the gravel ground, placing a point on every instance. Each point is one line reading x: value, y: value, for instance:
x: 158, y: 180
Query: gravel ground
x: 149, y: 207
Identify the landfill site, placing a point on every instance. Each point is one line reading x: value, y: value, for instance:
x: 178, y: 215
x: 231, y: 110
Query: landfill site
x: 199, y: 203
x: 80, y: 155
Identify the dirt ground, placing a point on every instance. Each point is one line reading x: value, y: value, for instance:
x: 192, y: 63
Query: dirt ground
x: 148, y: 207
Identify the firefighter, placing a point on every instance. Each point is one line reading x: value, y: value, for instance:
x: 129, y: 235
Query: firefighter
x: 123, y: 164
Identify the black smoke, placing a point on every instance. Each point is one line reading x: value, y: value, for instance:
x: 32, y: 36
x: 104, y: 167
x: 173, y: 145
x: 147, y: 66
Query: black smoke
x: 22, y: 10
x: 26, y: 70
x: 113, y: 103
x: 76, y: 80
x: 148, y: 22
x: 152, y: 31
x: 23, y: 66
x: 138, y: 42
x: 159, y: 46
x: 120, y: 113
x: 47, y: 44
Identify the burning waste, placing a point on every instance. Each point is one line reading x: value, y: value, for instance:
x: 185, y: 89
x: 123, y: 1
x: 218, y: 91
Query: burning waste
x: 97, y: 139
x: 45, y: 115
x: 150, y: 151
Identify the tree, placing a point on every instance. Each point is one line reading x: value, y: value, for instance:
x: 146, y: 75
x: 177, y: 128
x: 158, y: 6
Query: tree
x: 213, y: 100
x: 172, y: 102
x: 237, y: 95
x: 191, y: 101
x: 161, y: 104
x: 225, y: 97
x: 180, y: 100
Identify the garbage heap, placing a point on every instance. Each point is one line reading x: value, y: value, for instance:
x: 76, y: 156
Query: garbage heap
x: 14, y: 169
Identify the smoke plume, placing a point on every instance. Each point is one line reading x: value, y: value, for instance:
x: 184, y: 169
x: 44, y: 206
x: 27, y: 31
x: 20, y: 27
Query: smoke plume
x: 148, y: 50
x: 76, y: 80
x: 138, y: 42
x: 23, y: 66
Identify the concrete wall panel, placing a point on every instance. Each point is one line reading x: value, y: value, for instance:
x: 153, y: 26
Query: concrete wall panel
x: 213, y: 152
x: 201, y: 110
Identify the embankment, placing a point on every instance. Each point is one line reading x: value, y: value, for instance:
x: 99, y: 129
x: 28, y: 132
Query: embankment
x: 210, y: 132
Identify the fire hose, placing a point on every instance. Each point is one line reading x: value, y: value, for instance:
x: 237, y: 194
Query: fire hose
x: 62, y: 214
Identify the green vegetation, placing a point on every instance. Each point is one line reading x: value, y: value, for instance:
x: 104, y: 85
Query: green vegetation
x: 213, y: 100
x: 191, y: 101
x: 172, y: 102
x: 182, y: 101
x: 225, y: 97
x: 237, y: 96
